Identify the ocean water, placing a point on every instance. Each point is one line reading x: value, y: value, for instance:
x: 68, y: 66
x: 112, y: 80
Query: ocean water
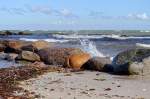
x: 103, y: 45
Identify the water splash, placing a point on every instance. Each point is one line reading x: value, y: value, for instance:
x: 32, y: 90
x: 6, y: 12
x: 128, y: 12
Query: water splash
x: 90, y: 48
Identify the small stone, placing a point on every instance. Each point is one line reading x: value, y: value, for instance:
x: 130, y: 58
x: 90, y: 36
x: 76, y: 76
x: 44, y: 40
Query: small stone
x: 118, y: 86
x: 107, y: 89
x: 92, y: 89
x: 52, y: 89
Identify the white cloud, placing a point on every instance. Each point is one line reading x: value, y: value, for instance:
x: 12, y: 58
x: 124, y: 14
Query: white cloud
x: 142, y: 16
x: 40, y: 9
x: 19, y: 11
x: 95, y: 14
x: 66, y: 13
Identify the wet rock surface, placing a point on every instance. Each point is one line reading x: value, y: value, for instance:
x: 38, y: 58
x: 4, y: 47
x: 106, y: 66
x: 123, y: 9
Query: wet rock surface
x: 97, y: 63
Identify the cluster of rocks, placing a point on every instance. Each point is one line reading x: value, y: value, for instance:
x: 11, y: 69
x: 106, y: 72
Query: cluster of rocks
x: 5, y: 33
x: 133, y: 61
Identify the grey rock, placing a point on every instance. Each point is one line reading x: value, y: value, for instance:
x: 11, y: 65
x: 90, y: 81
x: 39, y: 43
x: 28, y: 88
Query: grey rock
x: 97, y: 63
x: 133, y: 61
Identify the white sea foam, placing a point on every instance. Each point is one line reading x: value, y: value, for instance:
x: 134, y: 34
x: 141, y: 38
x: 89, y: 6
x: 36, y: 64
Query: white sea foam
x: 143, y: 45
x: 48, y: 40
x: 114, y: 36
x: 75, y: 36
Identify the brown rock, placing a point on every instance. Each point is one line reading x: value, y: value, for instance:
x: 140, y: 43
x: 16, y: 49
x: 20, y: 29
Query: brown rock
x: 29, y: 56
x: 76, y: 61
x: 57, y: 56
x: 37, y: 45
x: 14, y: 46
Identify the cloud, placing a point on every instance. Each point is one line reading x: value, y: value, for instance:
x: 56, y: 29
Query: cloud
x: 143, y: 16
x: 40, y: 9
x: 19, y: 11
x: 95, y: 14
x: 66, y: 13
x: 136, y: 16
x: 4, y: 9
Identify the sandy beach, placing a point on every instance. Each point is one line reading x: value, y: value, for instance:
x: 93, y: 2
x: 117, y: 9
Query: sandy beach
x: 87, y: 85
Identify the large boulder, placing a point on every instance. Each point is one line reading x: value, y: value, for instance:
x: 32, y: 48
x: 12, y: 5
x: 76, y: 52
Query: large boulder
x: 12, y: 46
x: 29, y: 56
x: 132, y: 55
x: 37, y: 45
x: 76, y: 61
x: 97, y: 63
x: 132, y: 61
x: 57, y: 56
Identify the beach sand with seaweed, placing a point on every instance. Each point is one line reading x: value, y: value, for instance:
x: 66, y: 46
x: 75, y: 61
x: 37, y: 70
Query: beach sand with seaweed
x: 87, y: 85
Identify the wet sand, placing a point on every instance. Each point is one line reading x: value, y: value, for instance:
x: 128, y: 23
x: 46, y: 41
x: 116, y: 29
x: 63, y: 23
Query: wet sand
x: 88, y: 85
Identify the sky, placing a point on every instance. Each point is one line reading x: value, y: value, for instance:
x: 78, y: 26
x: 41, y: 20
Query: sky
x: 74, y: 14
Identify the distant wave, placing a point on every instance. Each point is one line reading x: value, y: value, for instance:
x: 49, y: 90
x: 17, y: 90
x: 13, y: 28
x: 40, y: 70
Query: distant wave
x: 143, y: 45
x: 75, y: 36
x: 113, y: 36
x: 48, y: 40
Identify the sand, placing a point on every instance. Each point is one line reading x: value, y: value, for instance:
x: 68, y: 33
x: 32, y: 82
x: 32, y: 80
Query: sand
x: 88, y: 85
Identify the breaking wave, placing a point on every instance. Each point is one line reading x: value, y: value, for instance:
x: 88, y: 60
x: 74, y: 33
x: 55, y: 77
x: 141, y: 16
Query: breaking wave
x: 48, y: 40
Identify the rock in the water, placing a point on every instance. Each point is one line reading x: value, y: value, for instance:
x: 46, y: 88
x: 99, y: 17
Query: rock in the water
x: 76, y: 61
x: 29, y: 56
x: 37, y: 45
x: 97, y: 63
x: 131, y: 61
x: 57, y: 56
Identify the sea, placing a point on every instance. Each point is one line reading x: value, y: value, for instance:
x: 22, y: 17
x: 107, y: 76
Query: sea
x: 102, y: 43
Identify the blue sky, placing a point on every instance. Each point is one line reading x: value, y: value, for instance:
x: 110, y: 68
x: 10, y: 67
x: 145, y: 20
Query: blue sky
x: 74, y: 14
